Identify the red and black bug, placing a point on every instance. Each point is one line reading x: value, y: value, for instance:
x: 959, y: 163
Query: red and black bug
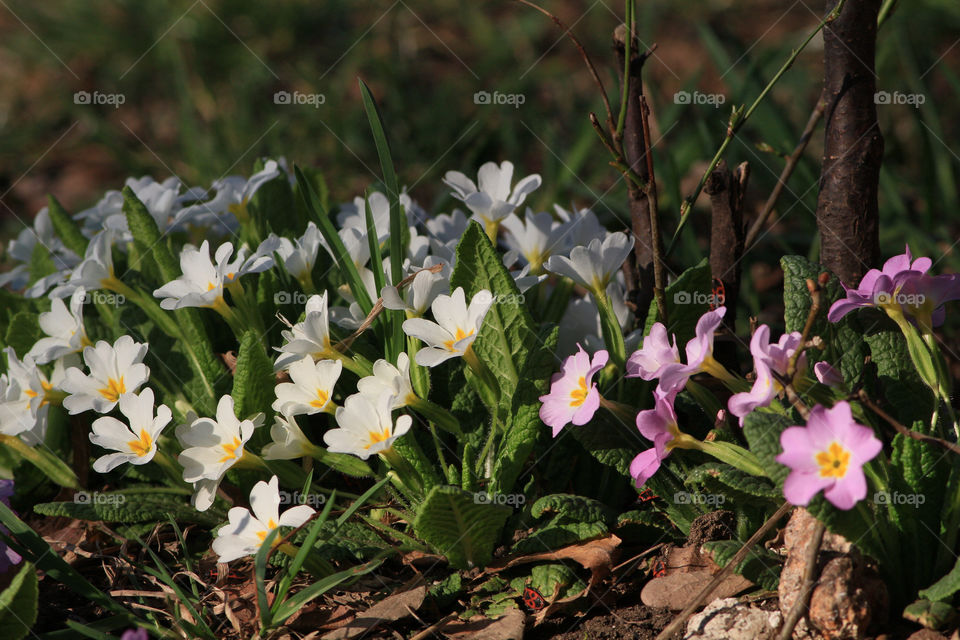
x: 659, y: 568
x: 532, y: 599
x: 646, y: 497
x: 718, y: 294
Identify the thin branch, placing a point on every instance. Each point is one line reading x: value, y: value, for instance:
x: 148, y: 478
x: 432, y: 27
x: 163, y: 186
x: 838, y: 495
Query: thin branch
x: 905, y: 431
x: 655, y: 240
x: 809, y: 582
x: 792, y: 161
x: 677, y: 623
x: 583, y: 54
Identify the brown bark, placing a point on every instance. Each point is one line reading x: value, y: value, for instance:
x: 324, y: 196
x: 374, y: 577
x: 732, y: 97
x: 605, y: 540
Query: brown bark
x: 727, y: 232
x: 639, y: 274
x: 853, y: 149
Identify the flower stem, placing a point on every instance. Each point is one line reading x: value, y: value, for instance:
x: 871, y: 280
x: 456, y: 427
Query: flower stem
x: 612, y: 334
x: 733, y: 455
x: 436, y: 414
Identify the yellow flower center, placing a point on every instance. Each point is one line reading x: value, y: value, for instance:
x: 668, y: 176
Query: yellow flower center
x: 114, y: 389
x: 375, y: 437
x: 834, y: 461
x: 458, y: 336
x: 321, y: 401
x: 142, y: 446
x: 579, y: 395
x: 211, y: 286
x: 231, y: 450
x: 270, y: 527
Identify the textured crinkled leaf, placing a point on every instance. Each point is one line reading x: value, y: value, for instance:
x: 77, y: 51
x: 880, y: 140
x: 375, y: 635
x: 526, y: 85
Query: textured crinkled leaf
x: 457, y: 526
x: 557, y: 534
x: 760, y: 566
x: 646, y: 518
x: 19, y: 603
x: 523, y: 427
x: 253, y: 379
x: 508, y: 332
x: 208, y: 370
x: 945, y: 586
x: 897, y: 379
x: 549, y: 579
x: 573, y: 507
x: 66, y: 227
x: 729, y: 479
x: 130, y: 507
x: 41, y: 263
x: 932, y: 615
x: 23, y: 332
x: 762, y: 430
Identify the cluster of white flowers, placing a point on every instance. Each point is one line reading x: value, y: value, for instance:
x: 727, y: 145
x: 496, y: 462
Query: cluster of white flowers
x: 67, y: 367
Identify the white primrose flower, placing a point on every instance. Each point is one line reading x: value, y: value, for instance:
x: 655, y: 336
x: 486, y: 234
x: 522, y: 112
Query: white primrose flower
x: 288, y: 441
x: 311, y: 390
x: 202, y: 282
x: 421, y: 292
x: 136, y: 443
x: 387, y: 378
x: 64, y: 329
x: 114, y: 371
x: 493, y: 200
x: 247, y: 531
x: 581, y: 324
x: 353, y: 214
x: 366, y: 426
x: 352, y: 317
x: 242, y: 265
x: 298, y: 255
x: 95, y: 271
x: 445, y: 228
x: 25, y: 395
x: 308, y: 338
x: 580, y: 226
x: 535, y: 238
x: 21, y: 250
x: 162, y: 200
x: 455, y: 329
x: 521, y: 277
x: 211, y: 447
x: 596, y: 264
x: 229, y: 204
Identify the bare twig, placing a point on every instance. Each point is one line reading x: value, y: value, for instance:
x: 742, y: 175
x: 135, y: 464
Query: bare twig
x: 792, y: 161
x: 905, y: 431
x: 655, y: 239
x: 583, y: 54
x: 809, y: 582
x: 814, y: 289
x: 677, y: 623
x: 344, y: 345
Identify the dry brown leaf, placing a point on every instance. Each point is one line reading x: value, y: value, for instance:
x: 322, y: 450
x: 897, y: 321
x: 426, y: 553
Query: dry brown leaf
x: 394, y: 607
x: 509, y: 626
x: 675, y: 591
x: 596, y: 556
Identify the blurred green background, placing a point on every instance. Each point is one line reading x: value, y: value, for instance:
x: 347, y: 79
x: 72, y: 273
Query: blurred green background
x: 198, y: 79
